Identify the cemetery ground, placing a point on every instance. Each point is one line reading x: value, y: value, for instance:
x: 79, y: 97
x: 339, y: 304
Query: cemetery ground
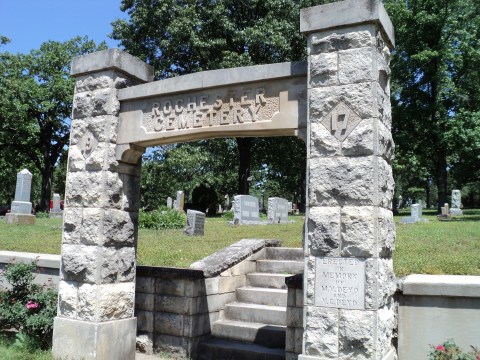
x: 435, y: 247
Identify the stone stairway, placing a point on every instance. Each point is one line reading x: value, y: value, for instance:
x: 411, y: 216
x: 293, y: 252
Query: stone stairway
x: 253, y: 327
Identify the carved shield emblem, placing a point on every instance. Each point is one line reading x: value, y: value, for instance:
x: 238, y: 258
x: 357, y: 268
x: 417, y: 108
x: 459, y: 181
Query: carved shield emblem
x: 87, y: 144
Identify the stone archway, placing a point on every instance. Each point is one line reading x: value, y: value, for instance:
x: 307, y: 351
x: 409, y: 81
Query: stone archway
x: 338, y: 102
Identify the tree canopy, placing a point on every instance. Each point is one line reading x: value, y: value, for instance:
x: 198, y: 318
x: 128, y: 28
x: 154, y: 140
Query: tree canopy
x: 435, y: 93
x: 36, y: 94
x: 181, y: 37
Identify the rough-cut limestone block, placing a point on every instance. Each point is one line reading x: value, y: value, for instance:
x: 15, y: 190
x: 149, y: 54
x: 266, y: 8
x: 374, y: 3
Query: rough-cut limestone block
x: 84, y: 189
x: 67, y: 299
x: 82, y: 226
x: 165, y: 286
x: 380, y: 284
x: 324, y: 231
x: 175, y: 304
x: 76, y: 161
x: 79, y: 263
x: 145, y: 321
x: 358, y: 231
x: 117, y: 265
x: 96, y: 126
x: 144, y: 301
x: 356, y: 334
x: 322, y: 142
x: 323, y: 69
x: 385, y: 326
x: 99, y: 303
x: 386, y: 233
x: 92, y: 103
x: 350, y: 181
x: 119, y: 228
x: 93, y: 82
x: 358, y: 97
x: 145, y: 284
x: 321, y: 332
x: 169, y: 323
x: 342, y: 39
x: 370, y: 137
x: 309, y: 280
x: 114, y: 190
x: 356, y: 65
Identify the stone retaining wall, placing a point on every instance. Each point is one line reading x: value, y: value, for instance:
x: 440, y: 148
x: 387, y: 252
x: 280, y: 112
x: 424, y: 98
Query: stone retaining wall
x: 294, y: 334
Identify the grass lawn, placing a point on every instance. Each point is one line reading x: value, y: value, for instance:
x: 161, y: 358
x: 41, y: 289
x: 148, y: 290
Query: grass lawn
x: 436, y: 247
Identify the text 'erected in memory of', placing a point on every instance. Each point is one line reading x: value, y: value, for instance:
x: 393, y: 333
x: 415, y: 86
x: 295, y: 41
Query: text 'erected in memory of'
x: 340, y: 283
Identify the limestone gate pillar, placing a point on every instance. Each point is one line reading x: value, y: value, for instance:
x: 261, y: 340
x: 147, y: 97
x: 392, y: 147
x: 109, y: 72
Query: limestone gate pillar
x: 97, y: 289
x: 350, y: 232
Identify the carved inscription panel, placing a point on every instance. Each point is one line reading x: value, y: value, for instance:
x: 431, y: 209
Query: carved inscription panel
x: 266, y: 108
x: 204, y: 110
x: 340, y: 121
x: 340, y: 283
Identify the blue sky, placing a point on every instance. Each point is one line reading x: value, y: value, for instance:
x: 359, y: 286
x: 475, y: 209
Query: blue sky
x: 29, y: 23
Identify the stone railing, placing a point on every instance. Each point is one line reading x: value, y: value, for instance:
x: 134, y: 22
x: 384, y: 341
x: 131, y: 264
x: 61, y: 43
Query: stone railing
x: 294, y: 334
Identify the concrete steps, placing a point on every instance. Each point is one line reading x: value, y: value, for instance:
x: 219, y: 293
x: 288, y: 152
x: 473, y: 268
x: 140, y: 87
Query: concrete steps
x: 253, y: 327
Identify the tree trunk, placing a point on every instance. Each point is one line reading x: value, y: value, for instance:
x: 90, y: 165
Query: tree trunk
x: 441, y: 179
x: 427, y: 192
x: 245, y: 156
x: 46, y: 191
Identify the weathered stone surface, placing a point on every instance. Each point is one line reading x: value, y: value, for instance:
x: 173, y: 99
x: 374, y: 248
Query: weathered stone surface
x: 93, y: 82
x: 341, y: 39
x: 380, y: 282
x: 350, y: 182
x: 386, y: 233
x: 115, y: 301
x: 118, y: 265
x: 87, y: 104
x: 144, y: 342
x: 358, y: 231
x: 370, y: 137
x: 79, y: 263
x: 356, y: 334
x: 119, y: 228
x: 322, y: 142
x: 144, y: 301
x: 324, y: 69
x: 385, y: 327
x: 324, y: 231
x: 131, y: 190
x: 67, y: 298
x: 358, y: 97
x: 84, y: 189
x: 175, y: 304
x: 169, y: 323
x: 321, y: 333
x: 356, y: 65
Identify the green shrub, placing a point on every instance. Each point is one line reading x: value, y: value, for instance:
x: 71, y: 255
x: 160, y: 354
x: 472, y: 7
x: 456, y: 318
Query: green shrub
x: 29, y: 308
x: 228, y: 215
x: 163, y: 218
x: 450, y: 351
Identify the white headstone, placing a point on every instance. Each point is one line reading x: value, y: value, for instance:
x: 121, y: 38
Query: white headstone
x: 56, y: 203
x: 415, y: 215
x: 22, y: 204
x: 195, y: 223
x: 246, y: 210
x: 169, y: 202
x: 180, y: 200
x: 456, y: 203
x: 277, y: 210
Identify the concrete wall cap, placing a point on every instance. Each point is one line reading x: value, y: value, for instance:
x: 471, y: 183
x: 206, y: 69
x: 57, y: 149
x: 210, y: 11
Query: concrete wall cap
x: 112, y: 59
x: 215, y: 78
x: 442, y: 285
x: 347, y: 13
x: 42, y: 260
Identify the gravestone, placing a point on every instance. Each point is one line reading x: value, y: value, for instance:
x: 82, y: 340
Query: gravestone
x: 169, y: 202
x: 56, y: 211
x: 21, y: 209
x: 246, y: 210
x: 277, y: 210
x: 290, y: 209
x: 455, y: 209
x: 415, y: 215
x: 180, y: 201
x: 195, y: 223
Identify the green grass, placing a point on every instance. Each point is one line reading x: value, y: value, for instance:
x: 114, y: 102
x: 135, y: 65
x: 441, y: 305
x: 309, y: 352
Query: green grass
x: 436, y: 247
x: 10, y: 352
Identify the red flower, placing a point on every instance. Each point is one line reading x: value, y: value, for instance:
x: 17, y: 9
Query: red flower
x: 440, y: 348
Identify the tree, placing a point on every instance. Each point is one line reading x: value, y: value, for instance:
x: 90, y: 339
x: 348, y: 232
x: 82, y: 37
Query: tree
x: 181, y: 37
x: 435, y: 67
x: 36, y: 94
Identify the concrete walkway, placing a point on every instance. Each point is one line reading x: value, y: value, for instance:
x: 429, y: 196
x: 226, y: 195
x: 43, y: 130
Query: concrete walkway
x: 140, y: 356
